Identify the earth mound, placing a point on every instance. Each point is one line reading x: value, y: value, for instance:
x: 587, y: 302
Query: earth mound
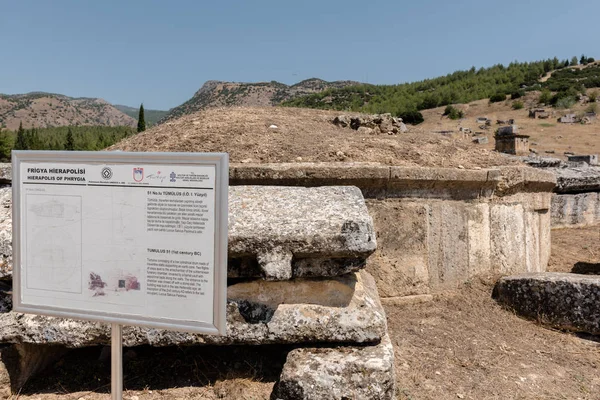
x: 281, y: 134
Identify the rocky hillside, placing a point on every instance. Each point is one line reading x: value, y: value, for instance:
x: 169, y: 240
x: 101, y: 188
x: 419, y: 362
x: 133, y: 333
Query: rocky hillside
x: 42, y: 110
x: 226, y: 94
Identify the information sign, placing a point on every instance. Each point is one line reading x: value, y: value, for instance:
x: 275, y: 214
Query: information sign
x: 124, y: 238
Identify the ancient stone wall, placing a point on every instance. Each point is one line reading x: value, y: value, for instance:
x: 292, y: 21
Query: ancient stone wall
x: 436, y: 227
x: 576, y: 201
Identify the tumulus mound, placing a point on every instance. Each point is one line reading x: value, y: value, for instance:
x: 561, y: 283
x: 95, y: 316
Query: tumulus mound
x: 304, y: 135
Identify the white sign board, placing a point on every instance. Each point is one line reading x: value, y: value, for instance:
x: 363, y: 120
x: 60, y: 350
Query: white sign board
x: 127, y: 238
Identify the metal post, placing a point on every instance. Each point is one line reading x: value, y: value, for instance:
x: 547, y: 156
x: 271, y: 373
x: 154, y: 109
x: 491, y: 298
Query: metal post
x: 116, y: 361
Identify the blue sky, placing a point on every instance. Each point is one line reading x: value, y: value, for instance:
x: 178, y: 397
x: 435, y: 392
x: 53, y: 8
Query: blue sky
x: 161, y: 52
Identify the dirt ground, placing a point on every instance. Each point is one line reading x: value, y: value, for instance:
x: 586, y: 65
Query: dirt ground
x: 548, y: 137
x: 304, y: 135
x: 460, y: 345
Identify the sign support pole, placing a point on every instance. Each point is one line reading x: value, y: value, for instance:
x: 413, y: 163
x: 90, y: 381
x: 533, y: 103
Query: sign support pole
x: 116, y: 361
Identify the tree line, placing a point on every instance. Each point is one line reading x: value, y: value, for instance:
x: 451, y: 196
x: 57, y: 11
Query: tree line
x: 61, y: 138
x: 408, y: 99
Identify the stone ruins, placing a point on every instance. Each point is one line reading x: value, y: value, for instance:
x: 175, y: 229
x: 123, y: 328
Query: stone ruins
x: 315, y: 249
x: 297, y: 259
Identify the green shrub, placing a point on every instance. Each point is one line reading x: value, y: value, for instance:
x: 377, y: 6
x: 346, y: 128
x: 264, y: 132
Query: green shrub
x: 412, y: 117
x: 592, y: 108
x: 517, y: 95
x: 565, y: 102
x: 517, y: 105
x: 545, y: 97
x: 593, y: 96
x: 497, y: 97
x: 448, y: 109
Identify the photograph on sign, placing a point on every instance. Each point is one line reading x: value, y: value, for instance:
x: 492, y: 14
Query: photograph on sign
x: 129, y: 238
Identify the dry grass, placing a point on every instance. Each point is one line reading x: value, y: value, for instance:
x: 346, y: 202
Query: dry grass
x: 303, y: 135
x: 545, y: 134
x: 460, y: 345
x: 572, y: 245
x: 464, y: 345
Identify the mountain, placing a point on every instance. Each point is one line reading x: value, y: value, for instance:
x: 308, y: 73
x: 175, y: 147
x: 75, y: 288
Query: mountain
x: 41, y: 110
x: 232, y: 94
x: 495, y: 83
x: 151, y: 116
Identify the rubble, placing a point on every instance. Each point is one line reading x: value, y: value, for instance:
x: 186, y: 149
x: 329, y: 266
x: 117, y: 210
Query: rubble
x: 372, y: 123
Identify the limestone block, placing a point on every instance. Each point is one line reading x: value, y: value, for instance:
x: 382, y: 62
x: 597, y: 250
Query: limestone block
x: 479, y: 243
x: 5, y: 232
x: 338, y: 373
x: 400, y: 263
x: 344, y: 309
x: 545, y: 239
x: 271, y: 223
x: 507, y: 238
x: 448, y: 244
x: 275, y: 232
x: 563, y: 300
x: 579, y: 209
x: 532, y: 242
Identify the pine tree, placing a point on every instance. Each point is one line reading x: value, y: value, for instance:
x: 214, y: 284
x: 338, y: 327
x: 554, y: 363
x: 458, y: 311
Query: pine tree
x: 574, y: 60
x: 69, y: 144
x: 6, y: 145
x: 21, y: 142
x: 141, y: 121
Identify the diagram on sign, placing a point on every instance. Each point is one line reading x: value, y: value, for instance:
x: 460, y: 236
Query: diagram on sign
x: 53, y: 244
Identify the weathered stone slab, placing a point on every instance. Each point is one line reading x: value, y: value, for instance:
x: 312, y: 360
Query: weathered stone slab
x: 577, y: 179
x: 5, y: 232
x: 578, y: 209
x: 563, y: 300
x: 276, y: 225
x: 338, y: 373
x: 275, y: 232
x: 342, y: 310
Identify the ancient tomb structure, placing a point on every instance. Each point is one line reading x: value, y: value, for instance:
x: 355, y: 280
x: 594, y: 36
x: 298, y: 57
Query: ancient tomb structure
x: 296, y: 268
x: 436, y: 227
x: 508, y: 140
x: 576, y: 201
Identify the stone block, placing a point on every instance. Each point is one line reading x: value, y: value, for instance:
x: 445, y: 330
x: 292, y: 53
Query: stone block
x: 507, y: 238
x: 274, y: 232
x: 343, y: 309
x: 448, y: 244
x: 276, y: 224
x: 338, y: 373
x: 562, y: 300
x: 479, y: 241
x: 400, y: 263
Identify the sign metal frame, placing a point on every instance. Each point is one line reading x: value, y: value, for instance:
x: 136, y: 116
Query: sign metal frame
x: 221, y: 163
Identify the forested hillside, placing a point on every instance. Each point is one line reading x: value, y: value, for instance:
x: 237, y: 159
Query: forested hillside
x: 497, y: 82
x: 61, y: 138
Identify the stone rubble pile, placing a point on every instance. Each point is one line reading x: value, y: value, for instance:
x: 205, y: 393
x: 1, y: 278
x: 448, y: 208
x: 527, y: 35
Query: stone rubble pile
x: 372, y: 124
x: 296, y: 259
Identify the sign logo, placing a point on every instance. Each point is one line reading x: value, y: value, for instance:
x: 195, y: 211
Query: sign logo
x: 138, y: 174
x: 173, y: 177
x: 107, y: 173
